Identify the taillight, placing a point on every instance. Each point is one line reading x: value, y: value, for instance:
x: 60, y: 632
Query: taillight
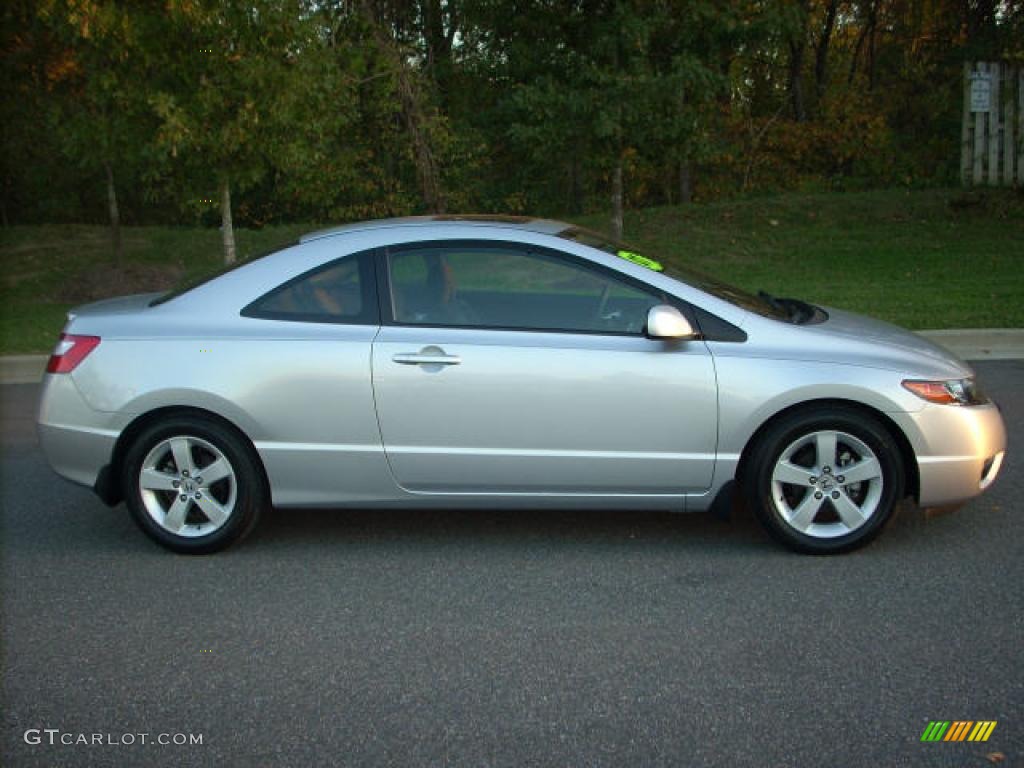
x: 70, y: 351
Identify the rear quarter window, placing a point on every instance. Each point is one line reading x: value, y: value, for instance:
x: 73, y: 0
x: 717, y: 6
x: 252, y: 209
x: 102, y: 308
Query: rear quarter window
x: 343, y: 291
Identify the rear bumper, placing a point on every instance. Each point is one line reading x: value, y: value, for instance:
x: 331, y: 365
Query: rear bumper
x: 959, y: 451
x: 78, y: 442
x: 75, y: 453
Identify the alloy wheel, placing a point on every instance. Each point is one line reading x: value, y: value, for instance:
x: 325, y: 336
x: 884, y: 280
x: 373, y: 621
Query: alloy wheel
x: 826, y: 484
x: 188, y: 486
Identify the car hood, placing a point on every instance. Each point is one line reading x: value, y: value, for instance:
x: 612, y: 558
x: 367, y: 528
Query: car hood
x: 887, y: 340
x: 122, y: 305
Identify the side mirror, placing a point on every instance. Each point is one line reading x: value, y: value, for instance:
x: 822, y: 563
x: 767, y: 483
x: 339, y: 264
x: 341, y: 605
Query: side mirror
x: 667, y: 322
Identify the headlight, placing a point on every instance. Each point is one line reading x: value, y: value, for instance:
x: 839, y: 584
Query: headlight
x: 953, y: 392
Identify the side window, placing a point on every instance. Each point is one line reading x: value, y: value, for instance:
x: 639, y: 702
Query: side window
x: 340, y: 292
x: 506, y: 287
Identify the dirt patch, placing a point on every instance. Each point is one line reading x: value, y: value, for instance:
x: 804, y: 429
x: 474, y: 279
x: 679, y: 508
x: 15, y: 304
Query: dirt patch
x: 105, y: 281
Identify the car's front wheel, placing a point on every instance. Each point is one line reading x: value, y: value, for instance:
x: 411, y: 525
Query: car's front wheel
x: 824, y: 480
x: 193, y: 485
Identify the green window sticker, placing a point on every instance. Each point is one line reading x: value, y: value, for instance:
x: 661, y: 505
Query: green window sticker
x: 643, y: 261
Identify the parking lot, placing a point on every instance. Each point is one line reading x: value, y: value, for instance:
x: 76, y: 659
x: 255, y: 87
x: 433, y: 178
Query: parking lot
x: 506, y: 638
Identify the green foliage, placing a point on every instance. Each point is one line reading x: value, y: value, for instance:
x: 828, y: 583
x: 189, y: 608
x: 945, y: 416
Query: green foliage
x: 335, y: 110
x: 221, y: 96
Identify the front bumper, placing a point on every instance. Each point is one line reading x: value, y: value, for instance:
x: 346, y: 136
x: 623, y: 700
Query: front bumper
x: 959, y: 450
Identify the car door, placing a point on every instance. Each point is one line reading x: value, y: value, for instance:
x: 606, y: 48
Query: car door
x: 511, y: 369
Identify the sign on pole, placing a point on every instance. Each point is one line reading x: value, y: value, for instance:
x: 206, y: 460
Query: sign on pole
x: 992, y: 124
x: 981, y: 92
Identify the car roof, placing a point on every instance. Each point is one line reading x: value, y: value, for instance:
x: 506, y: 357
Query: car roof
x: 542, y: 226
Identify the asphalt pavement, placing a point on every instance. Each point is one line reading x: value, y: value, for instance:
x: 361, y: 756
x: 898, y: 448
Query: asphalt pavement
x: 351, y: 638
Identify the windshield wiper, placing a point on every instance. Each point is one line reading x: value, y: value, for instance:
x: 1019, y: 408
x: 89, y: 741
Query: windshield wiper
x: 795, y: 310
x: 804, y: 312
x: 777, y: 304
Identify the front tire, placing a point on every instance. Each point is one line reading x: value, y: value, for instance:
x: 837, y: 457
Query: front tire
x: 193, y: 485
x: 824, y: 480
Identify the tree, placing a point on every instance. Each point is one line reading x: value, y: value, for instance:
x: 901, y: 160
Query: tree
x: 223, y: 105
x: 30, y: 59
x: 414, y: 110
x: 290, y: 110
x: 98, y: 101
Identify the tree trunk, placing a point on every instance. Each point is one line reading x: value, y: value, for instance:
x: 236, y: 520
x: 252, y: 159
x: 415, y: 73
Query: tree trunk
x: 797, y: 49
x: 411, y: 99
x: 439, y: 38
x: 856, y: 54
x: 575, y: 183
x: 227, y: 228
x: 872, y: 30
x: 617, y: 198
x: 115, y: 216
x: 796, y: 81
x: 684, y: 172
x: 821, y: 54
x: 685, y: 182
x: 423, y: 153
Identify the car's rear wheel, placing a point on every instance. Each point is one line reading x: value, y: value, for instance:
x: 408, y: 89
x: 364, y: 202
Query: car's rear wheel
x: 824, y: 480
x: 193, y: 485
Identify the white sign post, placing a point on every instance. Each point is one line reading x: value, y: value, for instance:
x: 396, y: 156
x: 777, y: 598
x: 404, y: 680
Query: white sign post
x: 992, y: 124
x: 981, y: 92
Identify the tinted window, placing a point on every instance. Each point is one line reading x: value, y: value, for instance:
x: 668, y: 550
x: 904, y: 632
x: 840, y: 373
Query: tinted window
x: 341, y: 292
x: 505, y: 287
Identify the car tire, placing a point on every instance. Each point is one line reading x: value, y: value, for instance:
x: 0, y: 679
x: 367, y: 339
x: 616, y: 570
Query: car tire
x: 171, y: 500
x: 825, y: 479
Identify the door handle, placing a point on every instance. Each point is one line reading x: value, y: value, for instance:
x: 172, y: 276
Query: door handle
x: 420, y: 358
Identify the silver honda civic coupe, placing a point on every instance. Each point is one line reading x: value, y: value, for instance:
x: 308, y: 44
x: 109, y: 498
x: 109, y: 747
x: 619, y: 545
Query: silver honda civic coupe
x: 498, y: 362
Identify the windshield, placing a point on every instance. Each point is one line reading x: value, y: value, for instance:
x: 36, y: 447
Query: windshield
x: 762, y: 305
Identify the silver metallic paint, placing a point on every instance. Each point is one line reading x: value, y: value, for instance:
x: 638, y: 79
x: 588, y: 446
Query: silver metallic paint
x: 486, y: 426
x: 524, y: 420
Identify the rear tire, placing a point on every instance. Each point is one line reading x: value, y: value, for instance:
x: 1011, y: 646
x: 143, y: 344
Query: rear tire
x: 174, y: 503
x: 825, y: 479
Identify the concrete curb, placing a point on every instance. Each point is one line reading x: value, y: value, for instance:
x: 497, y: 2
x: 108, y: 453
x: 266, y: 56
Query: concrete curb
x: 22, y: 369
x: 968, y: 344
x: 981, y: 343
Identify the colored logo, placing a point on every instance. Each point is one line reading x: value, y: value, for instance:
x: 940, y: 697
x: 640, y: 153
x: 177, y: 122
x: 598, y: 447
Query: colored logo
x: 958, y: 730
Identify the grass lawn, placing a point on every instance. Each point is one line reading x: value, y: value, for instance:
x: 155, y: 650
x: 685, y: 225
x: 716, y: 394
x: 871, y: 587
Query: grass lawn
x: 46, y: 267
x: 922, y: 259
